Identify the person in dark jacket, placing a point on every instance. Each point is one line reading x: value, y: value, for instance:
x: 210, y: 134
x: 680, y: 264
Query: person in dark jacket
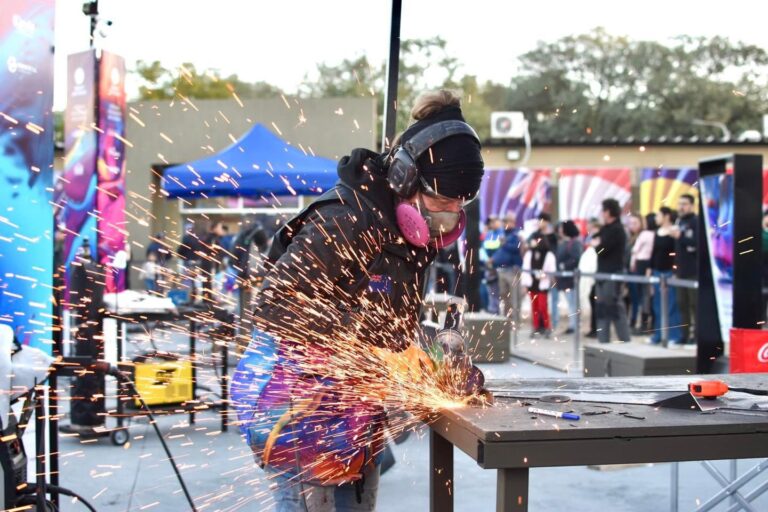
x: 344, y: 283
x: 549, y: 232
x: 508, y: 261
x: 610, y: 244
x: 662, y: 265
x: 686, y: 235
x: 249, y: 248
x: 211, y: 253
x: 568, y: 255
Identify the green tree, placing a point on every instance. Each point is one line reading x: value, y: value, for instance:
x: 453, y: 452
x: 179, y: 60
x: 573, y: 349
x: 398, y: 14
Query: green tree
x: 159, y: 82
x: 598, y: 84
x: 424, y: 64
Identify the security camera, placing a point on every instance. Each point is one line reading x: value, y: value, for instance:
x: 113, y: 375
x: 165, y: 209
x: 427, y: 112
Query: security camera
x: 91, y: 8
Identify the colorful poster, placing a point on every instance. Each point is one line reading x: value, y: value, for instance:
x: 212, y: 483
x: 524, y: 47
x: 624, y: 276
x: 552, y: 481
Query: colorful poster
x: 717, y: 199
x: 26, y: 169
x: 662, y: 187
x: 582, y: 191
x: 765, y: 190
x: 524, y: 192
x: 75, y: 190
x: 110, y: 164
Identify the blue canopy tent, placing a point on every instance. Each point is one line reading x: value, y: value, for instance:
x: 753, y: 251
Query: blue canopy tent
x: 260, y: 164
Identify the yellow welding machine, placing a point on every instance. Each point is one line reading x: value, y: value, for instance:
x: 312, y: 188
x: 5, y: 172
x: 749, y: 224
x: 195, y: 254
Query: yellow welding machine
x: 162, y: 378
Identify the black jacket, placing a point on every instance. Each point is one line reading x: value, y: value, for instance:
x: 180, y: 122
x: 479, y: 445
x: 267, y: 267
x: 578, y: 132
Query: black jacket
x: 686, y: 257
x: 613, y: 243
x: 343, y: 264
x: 568, y: 256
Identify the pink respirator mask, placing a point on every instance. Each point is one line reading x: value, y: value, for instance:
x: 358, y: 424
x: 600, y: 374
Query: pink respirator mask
x: 415, y: 227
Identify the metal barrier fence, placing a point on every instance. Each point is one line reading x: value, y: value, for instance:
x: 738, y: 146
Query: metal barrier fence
x: 664, y: 283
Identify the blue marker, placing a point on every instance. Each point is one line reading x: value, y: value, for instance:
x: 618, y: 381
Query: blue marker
x: 555, y: 414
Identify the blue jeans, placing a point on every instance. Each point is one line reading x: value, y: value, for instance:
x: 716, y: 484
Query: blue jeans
x: 635, y: 300
x: 293, y: 496
x: 674, y: 333
x: 570, y: 294
x: 150, y: 285
x: 554, y: 314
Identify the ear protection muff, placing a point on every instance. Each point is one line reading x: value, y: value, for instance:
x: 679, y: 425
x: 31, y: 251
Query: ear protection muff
x: 415, y: 229
x: 403, y: 171
x: 403, y: 176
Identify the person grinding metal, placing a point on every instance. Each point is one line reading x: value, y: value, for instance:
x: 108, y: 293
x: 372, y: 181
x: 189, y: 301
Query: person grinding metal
x: 344, y: 282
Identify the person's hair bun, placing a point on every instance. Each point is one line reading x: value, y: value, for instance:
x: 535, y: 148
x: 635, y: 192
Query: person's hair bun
x: 431, y: 102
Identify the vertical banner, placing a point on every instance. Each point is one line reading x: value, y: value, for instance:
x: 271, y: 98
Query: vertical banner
x: 75, y: 190
x: 110, y: 201
x: 662, y: 187
x: 765, y: 190
x: 581, y: 192
x: 523, y: 192
x: 26, y: 169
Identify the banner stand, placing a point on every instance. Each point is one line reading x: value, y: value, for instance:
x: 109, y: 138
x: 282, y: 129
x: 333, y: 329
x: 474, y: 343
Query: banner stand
x: 730, y: 254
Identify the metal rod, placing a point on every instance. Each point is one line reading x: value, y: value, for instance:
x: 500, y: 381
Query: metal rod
x: 393, y: 77
x: 441, y: 474
x: 224, y: 386
x: 664, y: 301
x: 734, y: 493
x: 728, y: 489
x: 193, y: 359
x: 577, y: 332
x: 39, y: 447
x: 53, y: 435
x: 674, y: 487
x: 515, y: 312
x: 122, y: 394
x: 751, y: 495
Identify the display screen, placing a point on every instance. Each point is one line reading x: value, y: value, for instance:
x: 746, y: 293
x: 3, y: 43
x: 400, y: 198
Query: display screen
x: 717, y: 202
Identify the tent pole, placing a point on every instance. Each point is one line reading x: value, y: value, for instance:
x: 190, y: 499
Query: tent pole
x: 393, y: 68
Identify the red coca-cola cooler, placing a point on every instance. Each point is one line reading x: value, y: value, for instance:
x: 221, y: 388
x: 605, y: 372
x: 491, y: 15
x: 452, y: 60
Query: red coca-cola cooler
x: 749, y: 351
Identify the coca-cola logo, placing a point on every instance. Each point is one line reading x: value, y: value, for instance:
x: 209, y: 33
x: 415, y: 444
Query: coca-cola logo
x: 762, y: 354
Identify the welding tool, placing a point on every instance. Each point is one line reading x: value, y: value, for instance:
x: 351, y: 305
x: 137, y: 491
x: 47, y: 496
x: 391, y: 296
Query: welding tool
x: 449, y: 349
x: 711, y: 389
x: 162, y: 378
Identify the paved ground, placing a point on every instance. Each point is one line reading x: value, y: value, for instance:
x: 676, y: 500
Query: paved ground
x: 222, y: 477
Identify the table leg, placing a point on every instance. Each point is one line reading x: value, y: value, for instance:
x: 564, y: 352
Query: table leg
x: 441, y: 473
x: 122, y: 390
x: 224, y: 381
x: 53, y: 433
x: 193, y: 358
x: 512, y: 490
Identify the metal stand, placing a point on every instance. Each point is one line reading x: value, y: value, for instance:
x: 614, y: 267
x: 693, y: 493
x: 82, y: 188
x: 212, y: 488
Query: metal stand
x: 730, y: 487
x: 512, y: 490
x: 441, y: 473
x: 123, y: 394
x: 664, y: 301
x: 40, y: 452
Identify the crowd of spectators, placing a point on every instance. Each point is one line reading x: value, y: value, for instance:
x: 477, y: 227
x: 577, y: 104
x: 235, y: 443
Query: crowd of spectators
x: 662, y: 244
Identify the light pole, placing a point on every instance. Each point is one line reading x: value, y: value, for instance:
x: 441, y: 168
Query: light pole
x: 91, y: 9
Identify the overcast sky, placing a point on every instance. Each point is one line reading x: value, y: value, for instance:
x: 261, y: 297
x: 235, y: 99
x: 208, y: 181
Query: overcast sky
x: 280, y: 41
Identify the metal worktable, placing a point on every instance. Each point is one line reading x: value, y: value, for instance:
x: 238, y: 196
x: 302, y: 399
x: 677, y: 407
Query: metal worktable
x: 509, y: 439
x: 193, y: 316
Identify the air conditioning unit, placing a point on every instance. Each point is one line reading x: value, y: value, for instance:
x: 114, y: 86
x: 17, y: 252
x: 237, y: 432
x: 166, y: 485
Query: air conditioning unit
x: 765, y: 126
x: 507, y: 125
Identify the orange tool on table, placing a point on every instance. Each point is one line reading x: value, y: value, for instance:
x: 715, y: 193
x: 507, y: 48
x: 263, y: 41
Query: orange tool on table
x: 712, y: 389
